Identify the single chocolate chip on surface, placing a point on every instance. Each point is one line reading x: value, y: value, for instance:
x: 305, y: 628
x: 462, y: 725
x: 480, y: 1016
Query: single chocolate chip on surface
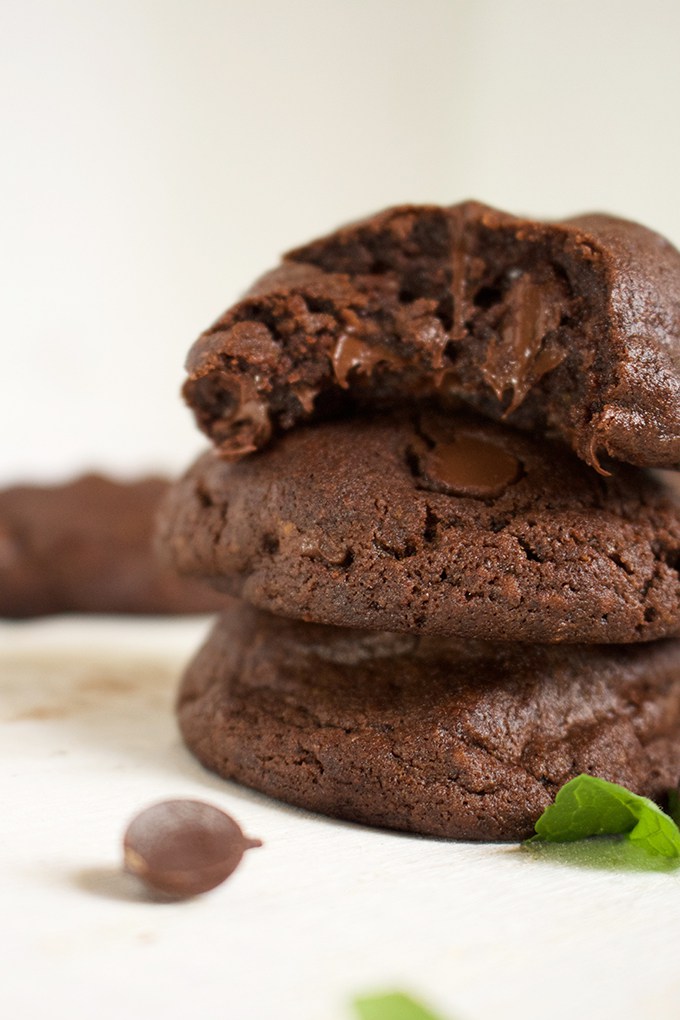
x: 184, y: 847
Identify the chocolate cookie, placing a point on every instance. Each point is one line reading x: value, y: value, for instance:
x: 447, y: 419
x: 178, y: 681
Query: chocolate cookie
x: 427, y: 523
x: 86, y: 547
x: 458, y: 739
x: 570, y: 327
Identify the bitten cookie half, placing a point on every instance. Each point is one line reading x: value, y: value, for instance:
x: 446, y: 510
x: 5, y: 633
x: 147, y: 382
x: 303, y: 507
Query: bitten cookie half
x: 570, y: 327
x: 426, y: 523
x: 462, y: 740
x: 86, y: 547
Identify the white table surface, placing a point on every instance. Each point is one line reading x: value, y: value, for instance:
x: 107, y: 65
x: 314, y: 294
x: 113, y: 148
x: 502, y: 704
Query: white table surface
x: 323, y: 912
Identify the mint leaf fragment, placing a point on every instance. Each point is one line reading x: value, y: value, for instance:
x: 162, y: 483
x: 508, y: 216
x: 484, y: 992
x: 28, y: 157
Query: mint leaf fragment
x: 587, y: 806
x: 393, y: 1006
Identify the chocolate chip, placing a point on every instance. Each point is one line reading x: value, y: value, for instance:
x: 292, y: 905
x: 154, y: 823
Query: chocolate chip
x: 468, y: 465
x: 184, y: 847
x: 351, y: 354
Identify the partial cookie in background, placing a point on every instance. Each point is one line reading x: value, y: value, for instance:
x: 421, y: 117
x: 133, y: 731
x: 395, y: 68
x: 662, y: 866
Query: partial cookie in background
x: 86, y: 547
x: 458, y: 739
x: 436, y: 524
x: 570, y: 327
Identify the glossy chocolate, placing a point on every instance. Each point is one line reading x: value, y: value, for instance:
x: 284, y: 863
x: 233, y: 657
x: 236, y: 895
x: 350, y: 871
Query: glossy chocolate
x: 353, y: 355
x: 184, y: 847
x: 469, y: 466
x: 514, y: 359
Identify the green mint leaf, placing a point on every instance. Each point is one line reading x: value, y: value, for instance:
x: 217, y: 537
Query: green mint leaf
x: 587, y: 806
x: 393, y: 1006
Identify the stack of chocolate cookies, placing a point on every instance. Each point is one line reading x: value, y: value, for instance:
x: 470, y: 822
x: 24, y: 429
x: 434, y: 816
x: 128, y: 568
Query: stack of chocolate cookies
x: 430, y: 488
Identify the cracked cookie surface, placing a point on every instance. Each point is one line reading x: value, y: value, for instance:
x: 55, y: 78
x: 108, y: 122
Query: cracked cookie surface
x: 427, y: 523
x: 570, y: 328
x: 465, y: 740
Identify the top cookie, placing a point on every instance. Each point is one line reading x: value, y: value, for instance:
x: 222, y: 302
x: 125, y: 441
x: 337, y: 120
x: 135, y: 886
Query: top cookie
x: 570, y: 327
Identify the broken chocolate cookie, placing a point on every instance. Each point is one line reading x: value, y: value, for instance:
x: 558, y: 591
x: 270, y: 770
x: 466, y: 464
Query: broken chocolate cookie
x: 570, y: 328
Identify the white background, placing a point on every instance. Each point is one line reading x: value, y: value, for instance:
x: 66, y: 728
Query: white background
x: 157, y: 155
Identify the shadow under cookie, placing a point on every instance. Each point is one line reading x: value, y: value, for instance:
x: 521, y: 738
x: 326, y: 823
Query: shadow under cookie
x: 463, y: 740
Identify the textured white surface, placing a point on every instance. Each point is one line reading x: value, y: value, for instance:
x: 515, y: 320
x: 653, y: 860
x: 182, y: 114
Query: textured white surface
x: 322, y: 912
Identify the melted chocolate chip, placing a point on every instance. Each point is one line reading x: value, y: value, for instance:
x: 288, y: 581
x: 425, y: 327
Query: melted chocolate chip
x: 184, y: 847
x: 245, y: 414
x: 515, y: 359
x: 351, y: 354
x: 469, y: 466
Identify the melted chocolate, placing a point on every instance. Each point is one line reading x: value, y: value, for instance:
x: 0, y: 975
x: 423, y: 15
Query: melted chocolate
x: 469, y: 466
x: 351, y: 354
x: 515, y: 360
x: 248, y: 422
